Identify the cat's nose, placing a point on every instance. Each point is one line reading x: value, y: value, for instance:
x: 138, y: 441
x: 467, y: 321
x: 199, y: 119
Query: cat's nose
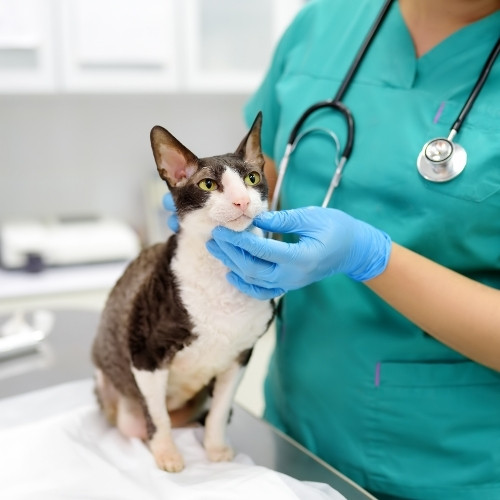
x: 242, y: 203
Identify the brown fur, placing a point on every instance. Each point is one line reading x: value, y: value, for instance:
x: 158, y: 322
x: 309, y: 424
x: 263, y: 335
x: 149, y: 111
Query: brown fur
x: 145, y: 323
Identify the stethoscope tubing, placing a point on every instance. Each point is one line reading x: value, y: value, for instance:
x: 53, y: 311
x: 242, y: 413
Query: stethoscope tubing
x: 451, y: 166
x: 353, y: 68
x: 344, y: 85
x: 477, y: 88
x: 337, y: 105
x: 295, y: 139
x: 328, y: 103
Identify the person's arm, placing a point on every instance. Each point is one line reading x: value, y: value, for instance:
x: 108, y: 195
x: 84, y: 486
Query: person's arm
x: 457, y: 311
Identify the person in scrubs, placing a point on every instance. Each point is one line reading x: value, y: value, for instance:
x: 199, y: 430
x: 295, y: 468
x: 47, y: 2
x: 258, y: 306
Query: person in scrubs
x: 387, y: 354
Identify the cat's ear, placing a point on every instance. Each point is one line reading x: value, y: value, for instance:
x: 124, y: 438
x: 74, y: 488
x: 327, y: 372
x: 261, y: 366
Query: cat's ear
x: 175, y: 163
x: 250, y: 148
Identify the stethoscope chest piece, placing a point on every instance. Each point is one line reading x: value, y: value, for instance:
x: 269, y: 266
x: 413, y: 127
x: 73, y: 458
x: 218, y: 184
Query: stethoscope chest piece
x: 441, y: 160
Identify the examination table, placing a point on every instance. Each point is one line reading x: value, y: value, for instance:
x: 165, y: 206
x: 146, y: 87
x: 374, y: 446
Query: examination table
x: 61, y: 367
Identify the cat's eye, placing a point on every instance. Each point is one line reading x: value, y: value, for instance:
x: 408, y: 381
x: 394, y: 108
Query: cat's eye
x: 207, y: 185
x: 252, y: 179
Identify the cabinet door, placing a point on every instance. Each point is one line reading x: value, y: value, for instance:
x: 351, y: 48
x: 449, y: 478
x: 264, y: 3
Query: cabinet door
x: 118, y: 45
x: 26, y: 46
x: 229, y: 43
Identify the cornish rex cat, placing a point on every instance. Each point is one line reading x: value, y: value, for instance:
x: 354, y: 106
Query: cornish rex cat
x: 173, y: 328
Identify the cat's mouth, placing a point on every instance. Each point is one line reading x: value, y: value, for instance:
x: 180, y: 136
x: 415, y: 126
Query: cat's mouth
x: 242, y: 216
x: 239, y: 223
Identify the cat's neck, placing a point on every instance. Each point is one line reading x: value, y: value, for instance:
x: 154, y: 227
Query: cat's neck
x: 193, y: 264
x: 196, y: 229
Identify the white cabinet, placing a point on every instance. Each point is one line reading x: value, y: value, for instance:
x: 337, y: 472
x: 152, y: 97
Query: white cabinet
x: 27, y: 52
x: 119, y: 45
x: 229, y: 43
x: 138, y: 45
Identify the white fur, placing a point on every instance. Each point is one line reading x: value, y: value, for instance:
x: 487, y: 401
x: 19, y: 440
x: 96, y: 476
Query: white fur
x: 153, y: 386
x: 222, y: 209
x: 226, y: 321
x: 215, y: 424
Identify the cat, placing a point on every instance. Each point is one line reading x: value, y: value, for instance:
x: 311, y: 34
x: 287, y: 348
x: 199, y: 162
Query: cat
x: 173, y: 328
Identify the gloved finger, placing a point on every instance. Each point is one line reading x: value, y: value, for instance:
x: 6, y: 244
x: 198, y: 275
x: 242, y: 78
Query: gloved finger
x: 265, y: 249
x: 283, y: 221
x: 254, y: 291
x: 214, y: 248
x: 168, y: 202
x: 169, y: 206
x: 173, y: 222
x: 251, y: 270
x: 301, y: 221
x: 245, y: 264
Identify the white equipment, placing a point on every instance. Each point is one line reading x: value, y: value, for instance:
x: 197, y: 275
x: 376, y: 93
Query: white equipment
x: 33, y: 245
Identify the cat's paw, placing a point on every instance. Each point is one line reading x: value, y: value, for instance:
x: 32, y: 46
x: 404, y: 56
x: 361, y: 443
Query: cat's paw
x: 166, y: 454
x: 220, y: 453
x: 170, y: 461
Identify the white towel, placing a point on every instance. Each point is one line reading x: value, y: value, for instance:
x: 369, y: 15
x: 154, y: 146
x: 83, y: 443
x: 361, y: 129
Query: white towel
x: 56, y: 445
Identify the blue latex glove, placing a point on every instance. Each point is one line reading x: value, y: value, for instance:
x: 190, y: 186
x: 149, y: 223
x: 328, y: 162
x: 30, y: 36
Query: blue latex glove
x: 169, y: 205
x: 330, y: 241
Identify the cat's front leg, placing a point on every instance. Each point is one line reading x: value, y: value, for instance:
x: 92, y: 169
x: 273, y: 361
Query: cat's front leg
x: 153, y: 387
x: 225, y: 387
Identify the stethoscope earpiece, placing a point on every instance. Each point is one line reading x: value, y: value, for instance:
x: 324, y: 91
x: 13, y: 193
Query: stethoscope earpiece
x: 441, y: 160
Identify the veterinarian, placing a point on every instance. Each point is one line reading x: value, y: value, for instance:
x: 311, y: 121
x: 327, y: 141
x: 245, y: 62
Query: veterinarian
x: 387, y: 357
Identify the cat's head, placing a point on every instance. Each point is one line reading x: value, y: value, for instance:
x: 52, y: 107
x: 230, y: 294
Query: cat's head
x: 227, y: 190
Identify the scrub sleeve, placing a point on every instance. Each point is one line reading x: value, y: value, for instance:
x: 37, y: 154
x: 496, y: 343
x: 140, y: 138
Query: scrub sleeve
x: 350, y: 378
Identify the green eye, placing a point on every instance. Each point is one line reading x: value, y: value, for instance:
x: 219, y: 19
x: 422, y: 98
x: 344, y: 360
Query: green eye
x: 207, y: 185
x: 252, y: 179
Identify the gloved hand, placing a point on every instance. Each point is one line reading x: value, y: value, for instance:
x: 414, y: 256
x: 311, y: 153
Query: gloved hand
x: 330, y: 241
x: 169, y: 205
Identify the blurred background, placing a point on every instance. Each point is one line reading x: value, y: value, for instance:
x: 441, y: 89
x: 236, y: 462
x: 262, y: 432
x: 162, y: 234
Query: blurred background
x: 82, y: 82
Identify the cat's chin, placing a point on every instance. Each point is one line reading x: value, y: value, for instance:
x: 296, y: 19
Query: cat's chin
x: 238, y: 224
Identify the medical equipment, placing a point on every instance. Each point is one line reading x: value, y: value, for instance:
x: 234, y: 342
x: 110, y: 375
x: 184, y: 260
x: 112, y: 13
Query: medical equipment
x: 18, y: 337
x: 440, y: 159
x: 34, y: 244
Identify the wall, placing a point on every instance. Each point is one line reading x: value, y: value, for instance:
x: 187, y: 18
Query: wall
x: 90, y: 154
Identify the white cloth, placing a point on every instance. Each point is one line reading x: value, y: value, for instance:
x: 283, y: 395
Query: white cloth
x: 56, y: 445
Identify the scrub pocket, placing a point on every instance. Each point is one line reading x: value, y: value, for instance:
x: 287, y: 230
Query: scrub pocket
x: 434, y: 431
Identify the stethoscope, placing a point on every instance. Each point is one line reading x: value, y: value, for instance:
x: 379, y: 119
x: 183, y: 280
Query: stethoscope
x: 440, y: 160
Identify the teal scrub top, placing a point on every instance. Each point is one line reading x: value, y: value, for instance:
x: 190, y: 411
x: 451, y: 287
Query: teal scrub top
x: 352, y: 379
